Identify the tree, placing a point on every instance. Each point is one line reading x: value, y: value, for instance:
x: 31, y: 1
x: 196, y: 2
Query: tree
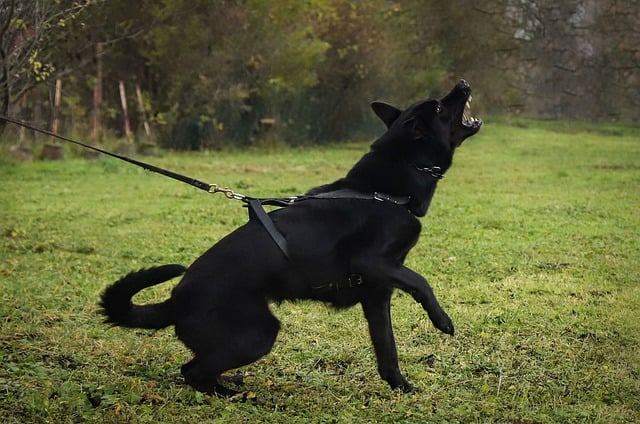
x: 359, y: 66
x: 41, y: 41
x: 237, y: 61
x: 32, y: 33
x: 210, y: 71
x: 577, y: 58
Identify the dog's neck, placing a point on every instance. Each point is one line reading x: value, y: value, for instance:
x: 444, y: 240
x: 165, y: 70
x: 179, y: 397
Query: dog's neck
x: 398, y: 170
x: 380, y: 172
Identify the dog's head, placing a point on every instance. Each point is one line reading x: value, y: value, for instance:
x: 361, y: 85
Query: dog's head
x: 429, y: 130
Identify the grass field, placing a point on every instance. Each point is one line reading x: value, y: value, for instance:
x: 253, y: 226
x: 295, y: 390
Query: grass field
x: 531, y: 245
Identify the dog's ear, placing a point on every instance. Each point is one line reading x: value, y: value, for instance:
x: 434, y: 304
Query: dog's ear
x: 387, y: 113
x: 419, y: 128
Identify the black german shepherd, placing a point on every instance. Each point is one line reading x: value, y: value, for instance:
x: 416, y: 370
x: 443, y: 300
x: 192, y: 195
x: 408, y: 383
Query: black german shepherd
x: 347, y: 242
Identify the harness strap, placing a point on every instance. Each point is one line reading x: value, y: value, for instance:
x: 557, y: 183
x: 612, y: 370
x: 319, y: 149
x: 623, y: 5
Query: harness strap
x: 256, y: 211
x: 347, y: 193
x: 353, y: 280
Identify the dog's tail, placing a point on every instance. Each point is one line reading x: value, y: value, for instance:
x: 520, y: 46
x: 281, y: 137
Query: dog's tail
x: 119, y: 310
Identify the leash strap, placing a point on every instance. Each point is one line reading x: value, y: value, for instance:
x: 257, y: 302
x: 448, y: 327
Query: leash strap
x: 256, y: 211
x: 211, y: 188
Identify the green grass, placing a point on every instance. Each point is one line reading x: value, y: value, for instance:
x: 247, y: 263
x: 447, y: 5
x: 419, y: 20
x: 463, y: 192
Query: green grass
x: 531, y: 245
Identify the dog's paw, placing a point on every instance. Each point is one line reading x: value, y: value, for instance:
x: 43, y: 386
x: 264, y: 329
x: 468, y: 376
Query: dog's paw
x: 236, y: 379
x: 404, y: 386
x: 398, y: 382
x: 217, y: 390
x: 408, y: 388
x: 442, y: 322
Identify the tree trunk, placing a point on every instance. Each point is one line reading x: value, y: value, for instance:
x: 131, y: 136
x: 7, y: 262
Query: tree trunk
x: 55, y: 126
x: 125, y: 113
x: 5, y: 84
x: 97, y: 96
x: 23, y: 130
x: 53, y: 150
x: 143, y: 114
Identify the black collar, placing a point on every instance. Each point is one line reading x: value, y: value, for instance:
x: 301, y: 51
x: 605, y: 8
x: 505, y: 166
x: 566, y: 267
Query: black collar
x: 433, y: 171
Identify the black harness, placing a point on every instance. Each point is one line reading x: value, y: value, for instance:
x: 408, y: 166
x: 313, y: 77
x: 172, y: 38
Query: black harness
x: 256, y: 209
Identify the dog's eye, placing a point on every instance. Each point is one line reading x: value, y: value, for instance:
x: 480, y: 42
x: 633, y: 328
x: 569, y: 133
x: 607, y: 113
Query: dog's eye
x: 438, y: 109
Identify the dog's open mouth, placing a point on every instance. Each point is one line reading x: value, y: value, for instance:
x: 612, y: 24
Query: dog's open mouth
x: 464, y: 124
x: 468, y: 120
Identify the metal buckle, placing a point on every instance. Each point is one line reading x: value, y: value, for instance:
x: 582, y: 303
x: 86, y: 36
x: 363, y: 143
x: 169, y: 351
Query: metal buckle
x: 355, y: 280
x: 352, y: 281
x: 434, y: 171
x: 381, y: 197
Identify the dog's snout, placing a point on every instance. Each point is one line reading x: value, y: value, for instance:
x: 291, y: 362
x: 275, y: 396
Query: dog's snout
x: 463, y: 84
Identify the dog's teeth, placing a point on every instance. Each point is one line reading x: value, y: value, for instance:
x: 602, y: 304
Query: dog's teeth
x: 466, y: 113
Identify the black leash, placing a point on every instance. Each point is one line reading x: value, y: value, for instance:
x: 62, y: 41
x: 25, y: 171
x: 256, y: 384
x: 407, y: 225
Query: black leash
x: 211, y: 188
x: 255, y: 205
x: 256, y: 210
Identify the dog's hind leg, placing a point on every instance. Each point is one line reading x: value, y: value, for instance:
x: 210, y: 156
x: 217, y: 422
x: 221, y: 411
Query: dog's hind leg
x: 202, y: 376
x: 234, y: 338
x: 376, y: 307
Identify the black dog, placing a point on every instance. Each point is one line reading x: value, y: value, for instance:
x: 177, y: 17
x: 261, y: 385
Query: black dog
x: 347, y: 242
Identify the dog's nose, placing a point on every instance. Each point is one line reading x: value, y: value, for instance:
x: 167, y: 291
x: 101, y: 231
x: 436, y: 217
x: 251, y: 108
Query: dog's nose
x: 463, y: 84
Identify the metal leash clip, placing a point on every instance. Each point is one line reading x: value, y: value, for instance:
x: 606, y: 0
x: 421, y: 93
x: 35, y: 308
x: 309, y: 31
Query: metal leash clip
x: 229, y: 194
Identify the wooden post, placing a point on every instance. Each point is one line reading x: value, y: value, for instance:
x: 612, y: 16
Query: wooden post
x: 20, y: 151
x: 23, y: 130
x: 143, y: 114
x: 53, y: 150
x: 97, y: 96
x: 37, y: 112
x: 56, y: 108
x: 125, y: 113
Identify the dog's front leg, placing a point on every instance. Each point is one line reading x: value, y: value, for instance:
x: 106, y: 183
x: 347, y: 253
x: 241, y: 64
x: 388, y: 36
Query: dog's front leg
x: 377, y: 310
x: 417, y: 286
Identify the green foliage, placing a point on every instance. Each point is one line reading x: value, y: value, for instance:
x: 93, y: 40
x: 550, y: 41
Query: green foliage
x: 290, y: 51
x: 531, y: 245
x: 211, y: 72
x: 238, y: 63
x: 214, y: 72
